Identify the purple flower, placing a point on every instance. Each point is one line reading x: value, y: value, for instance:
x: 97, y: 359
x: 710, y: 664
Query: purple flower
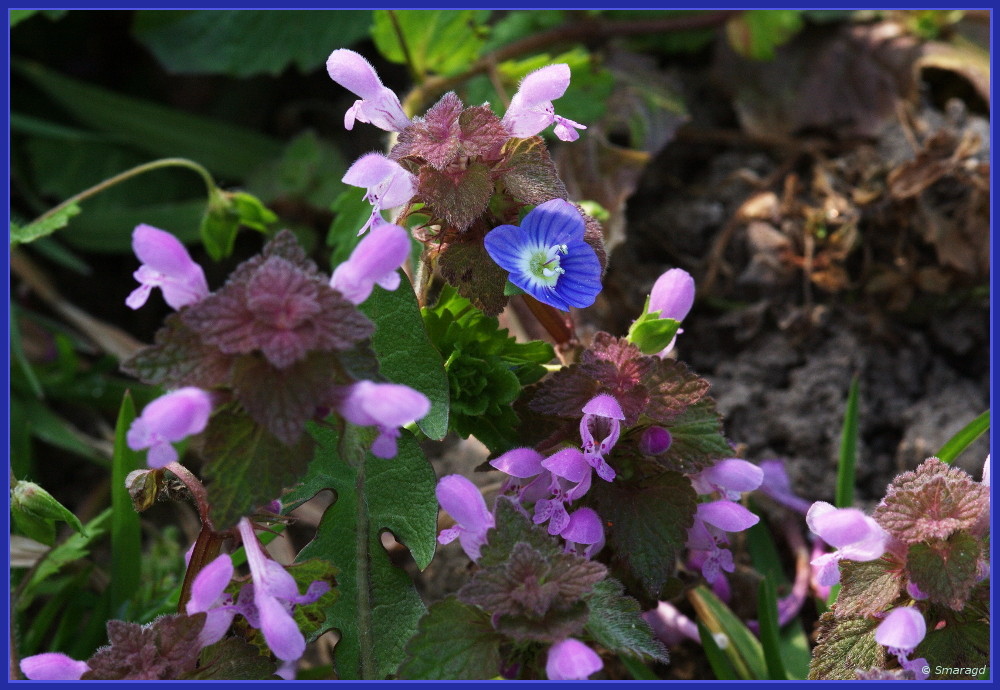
x: 729, y: 477
x: 712, y: 520
x: 672, y: 296
x: 901, y: 631
x: 387, y: 183
x: 208, y: 595
x: 373, y: 261
x: 602, y: 414
x: 670, y: 625
x: 267, y: 602
x: 655, y: 440
x: 569, y: 478
x: 986, y: 472
x: 531, y: 108
x: 571, y: 660
x: 167, y: 265
x: 168, y: 419
x: 547, y: 256
x: 378, y: 105
x: 856, y: 537
x: 778, y: 486
x: 52, y: 666
x: 461, y: 499
x: 385, y: 405
x: 584, y: 528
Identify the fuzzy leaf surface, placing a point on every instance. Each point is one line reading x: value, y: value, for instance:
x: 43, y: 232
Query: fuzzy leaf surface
x: 233, y: 658
x: 454, y: 642
x: 457, y: 197
x: 961, y: 646
x: 405, y: 352
x: 869, y: 587
x: 844, y: 645
x: 945, y: 569
x: 932, y: 502
x: 165, y: 649
x: 511, y: 529
x: 529, y: 174
x: 378, y: 607
x: 615, y: 622
x: 470, y: 270
x: 247, y: 466
x: 647, y: 524
x: 697, y: 439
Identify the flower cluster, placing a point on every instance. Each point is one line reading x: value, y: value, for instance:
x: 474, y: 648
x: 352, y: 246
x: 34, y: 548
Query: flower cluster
x: 270, y: 337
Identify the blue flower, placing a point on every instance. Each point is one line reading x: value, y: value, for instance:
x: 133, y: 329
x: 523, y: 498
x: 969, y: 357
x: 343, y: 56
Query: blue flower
x: 547, y: 256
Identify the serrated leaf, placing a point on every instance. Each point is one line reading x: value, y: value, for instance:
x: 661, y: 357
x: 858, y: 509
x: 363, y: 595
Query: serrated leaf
x: 454, y: 642
x: 31, y: 232
x: 528, y: 174
x: 945, y: 570
x: 246, y: 466
x: 513, y: 527
x: 233, y: 658
x: 440, y: 41
x: 456, y: 197
x: 469, y: 269
x: 179, y: 358
x: 616, y: 624
x: 870, y: 587
x: 958, y: 650
x: 311, y: 618
x: 932, y: 502
x: 246, y: 42
x: 697, y: 440
x: 844, y: 645
x: 406, y: 353
x: 165, y: 649
x: 378, y: 608
x: 647, y: 523
x: 673, y: 388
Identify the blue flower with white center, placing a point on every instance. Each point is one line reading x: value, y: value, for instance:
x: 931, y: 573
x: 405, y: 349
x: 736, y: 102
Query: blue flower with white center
x: 547, y: 256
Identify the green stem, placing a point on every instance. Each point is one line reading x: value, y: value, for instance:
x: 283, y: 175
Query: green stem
x: 401, y: 37
x: 128, y: 174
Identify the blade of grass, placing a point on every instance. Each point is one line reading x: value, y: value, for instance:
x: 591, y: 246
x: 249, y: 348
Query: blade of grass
x: 126, y: 535
x: 721, y: 667
x: 744, y: 650
x: 767, y: 617
x: 844, y: 496
x: 638, y: 669
x: 964, y: 438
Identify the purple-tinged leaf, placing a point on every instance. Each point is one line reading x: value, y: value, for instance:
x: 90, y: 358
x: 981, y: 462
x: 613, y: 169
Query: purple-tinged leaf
x: 672, y: 389
x: 467, y: 267
x: 233, y: 658
x: 165, y: 649
x: 456, y: 196
x: 482, y: 134
x: 869, y: 587
x: 696, y: 439
x: 945, y: 570
x: 528, y: 173
x: 179, y: 358
x: 844, y: 645
x: 436, y: 137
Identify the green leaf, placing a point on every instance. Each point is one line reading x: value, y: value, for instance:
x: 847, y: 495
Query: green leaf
x: 767, y: 617
x: 440, y: 41
x: 958, y: 650
x: 945, y: 570
x: 870, y: 587
x: 309, y: 169
x: 108, y: 228
x: 652, y: 334
x: 18, y: 16
x: 311, y: 618
x: 126, y: 535
x: 454, y: 642
x: 243, y: 43
x: 36, y: 511
x: 844, y: 645
x: 512, y: 528
x: 743, y: 650
x: 847, y: 455
x: 697, y: 439
x: 964, y: 438
x: 648, y: 522
x: 247, y: 466
x: 226, y: 213
x: 46, y: 226
x: 233, y: 658
x: 76, y: 547
x: 616, y: 624
x: 226, y: 149
x: 378, y: 608
x: 405, y: 352
x: 350, y: 212
x: 756, y: 33
x: 717, y: 659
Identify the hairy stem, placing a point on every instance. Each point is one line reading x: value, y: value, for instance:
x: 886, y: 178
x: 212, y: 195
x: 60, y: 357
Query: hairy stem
x: 128, y: 174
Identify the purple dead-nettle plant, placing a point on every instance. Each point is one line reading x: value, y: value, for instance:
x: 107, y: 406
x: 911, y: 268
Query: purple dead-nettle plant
x: 378, y: 105
x: 531, y: 108
x: 167, y: 265
x: 386, y: 182
x: 854, y: 535
x: 461, y: 499
x: 672, y: 297
x: 901, y: 631
x: 571, y: 660
x: 168, y: 419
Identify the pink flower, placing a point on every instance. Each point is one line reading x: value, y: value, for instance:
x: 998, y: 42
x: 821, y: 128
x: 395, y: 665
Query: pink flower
x: 569, y: 472
x: 531, y: 108
x: 901, y: 631
x: 571, y: 660
x: 388, y: 184
x: 778, y: 486
x: 267, y: 602
x: 208, y: 595
x: 168, y: 419
x: 373, y: 261
x: 462, y: 499
x: 712, y: 520
x: 167, y: 265
x: 52, y: 666
x: 385, y: 405
x: 378, y: 105
x: 672, y: 296
x: 584, y: 528
x: 655, y: 440
x: 729, y: 477
x: 604, y: 414
x: 856, y: 537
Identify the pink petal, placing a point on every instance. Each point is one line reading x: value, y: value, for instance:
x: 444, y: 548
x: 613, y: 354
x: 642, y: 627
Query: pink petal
x: 655, y: 440
x: 520, y: 462
x: 354, y: 73
x: 568, y: 463
x: 604, y: 405
x: 462, y: 499
x: 545, y: 84
x: 178, y: 414
x: 571, y: 660
x: 734, y: 474
x: 584, y: 527
x: 209, y: 584
x: 371, y: 170
x: 727, y: 515
x: 374, y: 260
x: 384, y: 404
x: 281, y: 632
x: 52, y: 666
x: 904, y: 628
x: 672, y: 294
x: 845, y: 527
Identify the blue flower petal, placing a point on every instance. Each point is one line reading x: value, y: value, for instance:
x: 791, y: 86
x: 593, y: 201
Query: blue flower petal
x: 504, y: 245
x: 554, y: 222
